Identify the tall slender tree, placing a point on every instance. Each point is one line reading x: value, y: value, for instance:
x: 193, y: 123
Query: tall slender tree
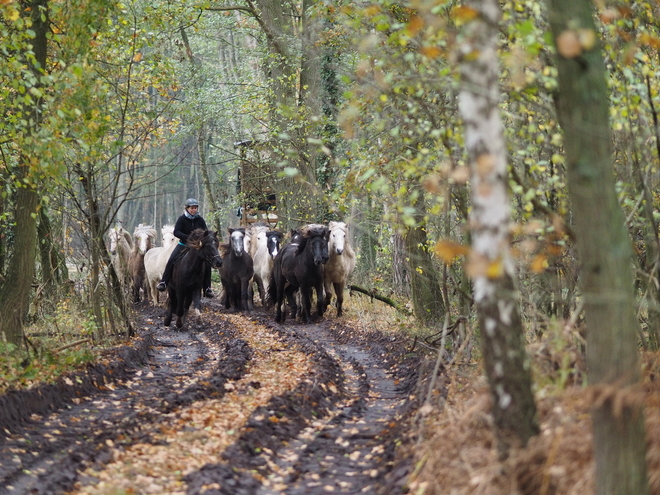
x: 490, y: 264
x: 605, y: 251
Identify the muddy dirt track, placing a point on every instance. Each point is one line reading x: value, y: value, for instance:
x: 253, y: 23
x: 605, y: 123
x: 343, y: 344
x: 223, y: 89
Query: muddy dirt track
x: 236, y: 405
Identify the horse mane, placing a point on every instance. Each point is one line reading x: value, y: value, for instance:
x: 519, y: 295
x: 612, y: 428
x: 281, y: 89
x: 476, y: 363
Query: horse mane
x: 223, y: 249
x: 337, y: 226
x: 195, y: 238
x: 149, y: 229
x: 309, y: 231
x: 295, y: 232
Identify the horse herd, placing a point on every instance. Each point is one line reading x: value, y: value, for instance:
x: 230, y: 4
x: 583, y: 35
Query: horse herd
x: 317, y: 258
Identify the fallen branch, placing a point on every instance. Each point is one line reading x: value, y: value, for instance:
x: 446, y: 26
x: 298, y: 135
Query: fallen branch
x: 374, y: 295
x: 72, y: 344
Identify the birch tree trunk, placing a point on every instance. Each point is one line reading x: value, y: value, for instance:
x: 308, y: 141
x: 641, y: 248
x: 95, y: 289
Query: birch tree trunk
x: 605, y: 251
x: 490, y: 263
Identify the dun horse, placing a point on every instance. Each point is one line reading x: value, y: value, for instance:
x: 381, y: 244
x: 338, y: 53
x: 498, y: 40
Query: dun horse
x: 121, y: 244
x: 237, y: 271
x: 156, y: 259
x: 300, y: 266
x: 188, y: 274
x: 340, y: 265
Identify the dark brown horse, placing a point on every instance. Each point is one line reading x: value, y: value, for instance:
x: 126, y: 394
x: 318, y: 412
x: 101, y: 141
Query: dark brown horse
x: 300, y: 267
x: 188, y: 274
x: 237, y: 271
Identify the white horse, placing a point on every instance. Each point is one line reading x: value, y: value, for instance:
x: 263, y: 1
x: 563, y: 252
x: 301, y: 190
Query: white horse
x: 156, y: 258
x: 264, y: 246
x: 340, y: 265
x: 144, y: 238
x: 121, y: 244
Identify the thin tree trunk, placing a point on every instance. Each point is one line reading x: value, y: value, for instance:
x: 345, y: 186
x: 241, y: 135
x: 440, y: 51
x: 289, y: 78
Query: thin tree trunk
x: 605, y: 252
x: 490, y: 264
x: 426, y: 291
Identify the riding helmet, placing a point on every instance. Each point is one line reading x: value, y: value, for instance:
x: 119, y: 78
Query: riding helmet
x: 191, y: 202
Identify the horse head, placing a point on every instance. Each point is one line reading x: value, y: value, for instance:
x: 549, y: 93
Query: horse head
x: 236, y: 240
x: 113, y: 236
x: 273, y: 240
x: 337, y: 237
x: 317, y: 237
x: 167, y: 236
x: 205, y: 243
x: 296, y: 236
x: 145, y: 236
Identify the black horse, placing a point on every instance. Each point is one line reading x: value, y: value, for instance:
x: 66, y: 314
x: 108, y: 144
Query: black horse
x: 188, y: 273
x: 300, y: 266
x: 237, y: 271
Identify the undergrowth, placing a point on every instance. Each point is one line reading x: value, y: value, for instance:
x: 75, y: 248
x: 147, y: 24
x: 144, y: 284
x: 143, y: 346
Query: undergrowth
x: 57, y: 340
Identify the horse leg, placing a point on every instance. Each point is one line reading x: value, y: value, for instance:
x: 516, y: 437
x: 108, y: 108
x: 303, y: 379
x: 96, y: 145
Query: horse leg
x: 227, y: 294
x: 339, y: 290
x: 170, y: 308
x: 306, y: 293
x: 245, y: 300
x: 153, y: 291
x: 262, y: 290
x: 327, y: 286
x: 281, y: 296
x: 179, y: 311
x: 320, y: 299
x: 291, y: 297
x: 197, y: 303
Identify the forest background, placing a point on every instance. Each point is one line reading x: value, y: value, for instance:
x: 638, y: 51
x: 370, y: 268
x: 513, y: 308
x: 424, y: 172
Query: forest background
x: 116, y: 112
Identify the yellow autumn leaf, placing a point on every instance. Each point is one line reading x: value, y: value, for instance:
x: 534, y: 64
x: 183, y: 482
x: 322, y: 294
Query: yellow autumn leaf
x: 12, y: 14
x: 415, y: 25
x: 447, y: 251
x: 539, y: 263
x: 495, y: 269
x: 587, y: 38
x: 649, y: 40
x: 430, y: 51
x: 137, y: 57
x: 568, y: 44
x: 465, y: 14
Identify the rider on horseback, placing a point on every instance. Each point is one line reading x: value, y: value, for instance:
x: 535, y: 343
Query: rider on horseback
x: 189, y: 221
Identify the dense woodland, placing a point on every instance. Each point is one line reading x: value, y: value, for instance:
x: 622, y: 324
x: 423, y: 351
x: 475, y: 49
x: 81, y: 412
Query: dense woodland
x: 497, y: 163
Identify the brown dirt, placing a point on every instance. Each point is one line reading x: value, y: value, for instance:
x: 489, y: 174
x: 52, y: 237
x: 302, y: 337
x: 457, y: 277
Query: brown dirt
x: 332, y: 407
x: 337, y: 427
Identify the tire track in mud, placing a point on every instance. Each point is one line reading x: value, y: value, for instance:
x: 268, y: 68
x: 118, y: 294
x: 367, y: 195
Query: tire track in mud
x: 344, y: 454
x: 45, y: 454
x: 340, y: 435
x: 334, y: 431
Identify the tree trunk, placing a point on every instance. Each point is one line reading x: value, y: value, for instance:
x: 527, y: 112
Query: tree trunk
x: 490, y: 264
x: 426, y: 291
x: 605, y: 252
x: 53, y: 267
x: 15, y: 296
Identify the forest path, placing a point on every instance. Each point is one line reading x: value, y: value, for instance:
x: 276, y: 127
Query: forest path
x: 235, y: 405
